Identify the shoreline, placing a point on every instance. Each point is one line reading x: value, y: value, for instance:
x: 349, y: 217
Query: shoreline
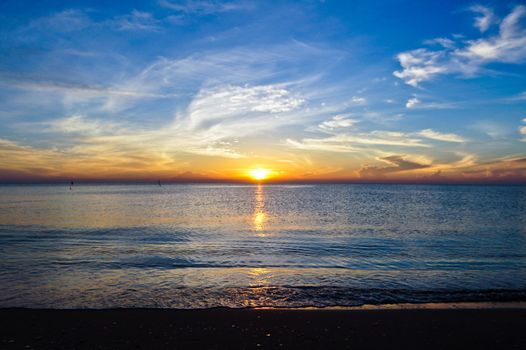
x: 469, y: 305
x: 431, y: 327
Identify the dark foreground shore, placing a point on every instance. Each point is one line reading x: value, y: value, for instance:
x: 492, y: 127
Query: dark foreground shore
x: 249, y: 328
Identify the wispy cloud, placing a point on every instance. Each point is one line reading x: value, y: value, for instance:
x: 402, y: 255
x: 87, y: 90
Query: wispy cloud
x: 509, y: 46
x: 82, y: 90
x: 444, y: 42
x: 235, y: 66
x: 337, y: 122
x: 238, y: 110
x: 359, y: 100
x: 204, y: 7
x: 324, y: 145
x: 519, y: 97
x: 398, y: 164
x: 493, y: 129
x: 416, y: 103
x: 347, y: 142
x: 485, y: 17
x: 211, y: 124
x: 435, y: 135
x: 137, y: 20
x: 71, y: 20
x: 412, y: 102
x: 64, y: 21
x: 174, y: 79
x: 78, y: 124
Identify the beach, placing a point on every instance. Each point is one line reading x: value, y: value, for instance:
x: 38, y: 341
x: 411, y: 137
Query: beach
x: 409, y: 328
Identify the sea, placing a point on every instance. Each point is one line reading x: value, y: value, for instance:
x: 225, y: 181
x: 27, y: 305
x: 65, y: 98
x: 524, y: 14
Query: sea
x: 230, y: 245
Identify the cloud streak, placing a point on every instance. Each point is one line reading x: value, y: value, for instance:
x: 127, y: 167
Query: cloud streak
x: 81, y: 90
x: 446, y: 137
x: 398, y: 165
x: 347, y: 142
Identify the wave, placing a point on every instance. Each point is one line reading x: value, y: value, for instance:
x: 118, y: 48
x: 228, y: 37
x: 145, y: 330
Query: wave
x: 261, y: 296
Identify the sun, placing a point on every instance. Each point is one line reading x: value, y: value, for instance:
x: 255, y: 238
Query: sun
x: 259, y: 174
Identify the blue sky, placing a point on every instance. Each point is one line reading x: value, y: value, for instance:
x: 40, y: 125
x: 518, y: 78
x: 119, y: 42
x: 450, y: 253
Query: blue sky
x: 372, y: 90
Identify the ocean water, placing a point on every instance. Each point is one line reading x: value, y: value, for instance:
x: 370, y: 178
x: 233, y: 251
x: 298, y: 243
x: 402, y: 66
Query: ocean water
x: 197, y: 246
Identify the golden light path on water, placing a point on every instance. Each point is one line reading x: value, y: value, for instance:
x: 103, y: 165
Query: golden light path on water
x: 259, y: 277
x: 260, y: 216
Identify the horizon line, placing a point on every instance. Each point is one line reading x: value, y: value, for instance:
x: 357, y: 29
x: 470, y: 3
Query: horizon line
x: 486, y: 182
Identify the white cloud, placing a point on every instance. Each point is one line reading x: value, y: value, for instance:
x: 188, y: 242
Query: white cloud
x: 485, y: 18
x: 412, y: 102
x: 435, y: 135
x: 225, y: 103
x: 508, y: 46
x: 337, y: 122
x: 420, y: 65
x: 358, y: 100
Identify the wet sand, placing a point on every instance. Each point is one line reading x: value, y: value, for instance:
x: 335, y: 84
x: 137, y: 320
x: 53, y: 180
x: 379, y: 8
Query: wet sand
x: 409, y: 328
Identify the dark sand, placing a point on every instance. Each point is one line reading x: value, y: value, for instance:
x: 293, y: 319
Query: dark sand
x: 250, y: 328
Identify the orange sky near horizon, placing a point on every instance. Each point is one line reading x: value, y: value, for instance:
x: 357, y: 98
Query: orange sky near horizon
x: 25, y: 164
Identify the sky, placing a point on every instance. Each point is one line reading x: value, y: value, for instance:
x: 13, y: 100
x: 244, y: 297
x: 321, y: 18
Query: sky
x: 312, y: 91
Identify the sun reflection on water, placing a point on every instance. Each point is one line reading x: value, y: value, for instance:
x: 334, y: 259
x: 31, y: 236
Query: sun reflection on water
x: 260, y: 217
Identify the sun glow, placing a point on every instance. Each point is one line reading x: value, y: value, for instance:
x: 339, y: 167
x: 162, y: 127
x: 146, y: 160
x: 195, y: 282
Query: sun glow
x: 259, y: 174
